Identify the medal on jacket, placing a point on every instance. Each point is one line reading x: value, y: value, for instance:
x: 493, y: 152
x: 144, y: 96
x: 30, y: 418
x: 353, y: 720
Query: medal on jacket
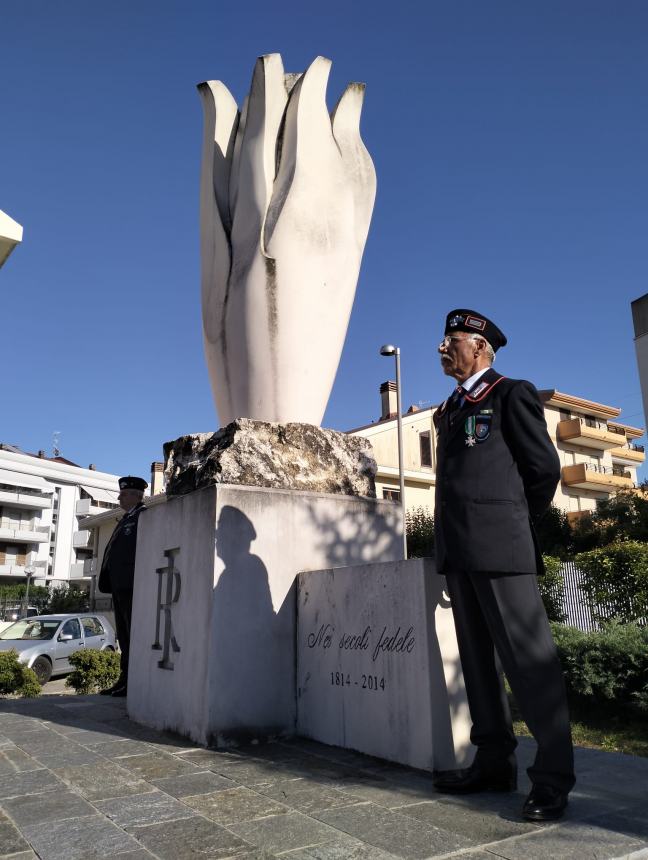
x: 470, y: 431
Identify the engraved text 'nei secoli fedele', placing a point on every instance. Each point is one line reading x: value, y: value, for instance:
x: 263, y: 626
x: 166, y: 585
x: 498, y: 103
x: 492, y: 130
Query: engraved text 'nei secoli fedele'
x: 387, y: 641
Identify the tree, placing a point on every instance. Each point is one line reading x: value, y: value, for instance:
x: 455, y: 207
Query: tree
x: 68, y: 598
x: 554, y: 533
x: 419, y: 523
x: 623, y: 516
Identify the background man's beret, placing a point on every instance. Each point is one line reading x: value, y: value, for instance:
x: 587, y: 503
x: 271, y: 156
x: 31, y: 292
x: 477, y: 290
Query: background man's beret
x: 129, y: 482
x: 462, y: 319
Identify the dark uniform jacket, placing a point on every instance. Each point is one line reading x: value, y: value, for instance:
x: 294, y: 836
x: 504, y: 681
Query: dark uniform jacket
x: 118, y: 565
x: 497, y: 470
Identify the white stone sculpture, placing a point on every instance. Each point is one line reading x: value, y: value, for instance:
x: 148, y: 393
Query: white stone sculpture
x: 287, y: 193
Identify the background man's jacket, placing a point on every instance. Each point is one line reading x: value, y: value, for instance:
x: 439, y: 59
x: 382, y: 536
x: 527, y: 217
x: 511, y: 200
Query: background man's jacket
x: 118, y: 565
x: 497, y: 470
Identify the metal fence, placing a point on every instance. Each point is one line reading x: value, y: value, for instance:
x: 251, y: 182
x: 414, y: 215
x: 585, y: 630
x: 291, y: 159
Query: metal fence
x: 576, y: 605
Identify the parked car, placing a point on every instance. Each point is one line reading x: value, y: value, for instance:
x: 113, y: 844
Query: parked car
x: 13, y: 613
x: 46, y: 642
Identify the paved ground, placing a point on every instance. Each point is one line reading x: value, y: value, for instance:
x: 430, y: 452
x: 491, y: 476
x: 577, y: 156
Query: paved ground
x: 80, y: 780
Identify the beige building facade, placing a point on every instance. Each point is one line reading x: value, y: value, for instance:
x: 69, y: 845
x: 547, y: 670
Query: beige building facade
x: 598, y: 454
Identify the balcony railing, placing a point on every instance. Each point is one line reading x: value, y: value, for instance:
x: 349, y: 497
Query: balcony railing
x: 14, y: 525
x: 591, y: 476
x: 588, y: 433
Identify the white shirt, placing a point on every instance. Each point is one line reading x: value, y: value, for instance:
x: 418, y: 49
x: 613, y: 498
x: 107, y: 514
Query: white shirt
x: 470, y: 383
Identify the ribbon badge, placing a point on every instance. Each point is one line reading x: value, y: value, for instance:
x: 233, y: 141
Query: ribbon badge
x: 470, y: 431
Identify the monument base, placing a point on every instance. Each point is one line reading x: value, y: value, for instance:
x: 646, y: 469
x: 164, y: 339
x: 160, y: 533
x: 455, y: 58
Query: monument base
x: 214, y: 612
x: 378, y: 666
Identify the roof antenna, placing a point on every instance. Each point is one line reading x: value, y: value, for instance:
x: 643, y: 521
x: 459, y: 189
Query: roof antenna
x: 56, y: 452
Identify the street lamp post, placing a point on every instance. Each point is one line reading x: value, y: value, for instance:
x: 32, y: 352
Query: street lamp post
x: 29, y: 572
x: 390, y: 349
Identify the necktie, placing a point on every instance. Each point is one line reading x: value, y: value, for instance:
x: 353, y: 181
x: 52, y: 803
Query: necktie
x: 456, y: 402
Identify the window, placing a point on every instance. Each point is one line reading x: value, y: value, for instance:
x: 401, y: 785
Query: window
x: 565, y: 415
x: 72, y: 628
x: 391, y: 495
x: 425, y: 448
x: 92, y: 627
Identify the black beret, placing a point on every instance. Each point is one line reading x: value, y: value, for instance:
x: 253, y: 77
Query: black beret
x: 462, y: 319
x: 132, y: 483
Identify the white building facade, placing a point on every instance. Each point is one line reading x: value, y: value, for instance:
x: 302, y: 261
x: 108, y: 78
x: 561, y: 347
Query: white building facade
x: 42, y: 500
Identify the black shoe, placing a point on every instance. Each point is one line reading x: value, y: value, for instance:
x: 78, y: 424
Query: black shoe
x: 119, y: 692
x: 477, y: 778
x: 544, y: 803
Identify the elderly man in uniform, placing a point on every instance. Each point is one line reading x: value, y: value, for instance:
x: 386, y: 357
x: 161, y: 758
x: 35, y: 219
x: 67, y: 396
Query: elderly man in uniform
x: 497, y: 471
x: 118, y: 571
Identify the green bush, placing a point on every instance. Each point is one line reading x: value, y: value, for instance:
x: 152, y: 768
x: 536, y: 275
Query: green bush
x: 13, y: 595
x: 16, y: 678
x: 615, y: 580
x: 611, y: 665
x: 93, y: 670
x: 419, y: 524
x: 552, y: 588
x: 68, y: 598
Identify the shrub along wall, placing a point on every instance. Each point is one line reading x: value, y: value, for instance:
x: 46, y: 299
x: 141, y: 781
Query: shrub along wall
x: 609, y: 665
x: 615, y: 580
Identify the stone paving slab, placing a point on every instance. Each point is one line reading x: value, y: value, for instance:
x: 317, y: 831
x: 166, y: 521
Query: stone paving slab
x: 78, y: 779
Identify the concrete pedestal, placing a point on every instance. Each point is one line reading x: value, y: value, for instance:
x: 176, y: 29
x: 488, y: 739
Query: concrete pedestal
x: 214, y: 621
x: 378, y: 667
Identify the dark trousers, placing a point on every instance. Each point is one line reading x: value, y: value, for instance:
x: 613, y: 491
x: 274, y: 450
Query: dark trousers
x: 505, y: 614
x: 123, y: 607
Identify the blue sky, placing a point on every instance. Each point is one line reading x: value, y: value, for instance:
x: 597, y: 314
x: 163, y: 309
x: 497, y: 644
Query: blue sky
x: 510, y: 141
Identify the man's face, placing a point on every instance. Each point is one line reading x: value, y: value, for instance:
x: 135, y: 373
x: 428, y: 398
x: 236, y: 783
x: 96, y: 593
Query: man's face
x: 459, y: 353
x: 129, y: 498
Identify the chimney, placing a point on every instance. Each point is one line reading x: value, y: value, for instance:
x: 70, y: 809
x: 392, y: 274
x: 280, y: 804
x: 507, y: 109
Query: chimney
x: 388, y: 398
x: 41, y: 454
x: 157, y: 478
x: 92, y: 467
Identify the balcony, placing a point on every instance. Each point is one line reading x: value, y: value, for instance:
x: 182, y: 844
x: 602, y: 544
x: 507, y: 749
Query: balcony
x: 78, y: 570
x: 81, y: 538
x: 599, y: 478
x: 576, y: 432
x: 15, y: 532
x: 12, y: 568
x: 630, y: 453
x: 25, y: 500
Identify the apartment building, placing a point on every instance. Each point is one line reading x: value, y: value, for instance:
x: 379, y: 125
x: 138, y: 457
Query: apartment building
x: 42, y: 500
x: 598, y: 455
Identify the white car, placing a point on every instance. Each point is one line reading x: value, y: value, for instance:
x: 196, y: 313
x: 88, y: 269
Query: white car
x: 46, y: 642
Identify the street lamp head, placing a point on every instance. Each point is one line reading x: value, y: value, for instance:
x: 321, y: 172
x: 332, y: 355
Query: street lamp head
x: 389, y: 349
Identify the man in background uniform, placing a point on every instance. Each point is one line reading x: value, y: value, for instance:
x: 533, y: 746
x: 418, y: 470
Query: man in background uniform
x: 497, y: 471
x: 118, y: 571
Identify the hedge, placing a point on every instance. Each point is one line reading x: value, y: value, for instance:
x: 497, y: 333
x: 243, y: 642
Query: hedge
x: 615, y: 580
x: 610, y: 665
x: 552, y: 588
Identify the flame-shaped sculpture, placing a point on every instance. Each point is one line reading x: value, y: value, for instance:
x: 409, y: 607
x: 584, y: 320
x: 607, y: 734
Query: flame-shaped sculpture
x: 287, y: 193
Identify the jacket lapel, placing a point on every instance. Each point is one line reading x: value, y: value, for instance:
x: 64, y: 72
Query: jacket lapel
x: 471, y: 405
